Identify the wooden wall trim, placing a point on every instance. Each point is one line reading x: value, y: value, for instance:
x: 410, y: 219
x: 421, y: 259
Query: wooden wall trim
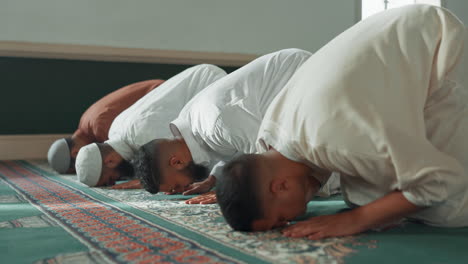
x: 26, y: 146
x: 104, y: 53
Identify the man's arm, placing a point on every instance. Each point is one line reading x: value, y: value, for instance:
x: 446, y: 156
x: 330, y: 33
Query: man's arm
x: 201, y: 187
x: 204, y: 187
x: 387, y: 209
x: 230, y: 140
x: 132, y: 184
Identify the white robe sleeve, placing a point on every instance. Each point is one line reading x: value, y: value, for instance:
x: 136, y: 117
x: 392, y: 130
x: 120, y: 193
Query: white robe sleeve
x: 234, y: 134
x: 218, y: 169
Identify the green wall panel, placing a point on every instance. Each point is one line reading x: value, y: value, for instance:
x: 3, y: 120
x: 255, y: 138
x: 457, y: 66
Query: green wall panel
x: 48, y: 96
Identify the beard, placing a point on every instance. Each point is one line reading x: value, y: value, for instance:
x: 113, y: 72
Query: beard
x: 196, y: 171
x: 125, y: 170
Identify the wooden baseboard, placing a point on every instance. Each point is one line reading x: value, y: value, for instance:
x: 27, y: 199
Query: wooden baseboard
x: 104, y: 53
x: 26, y: 146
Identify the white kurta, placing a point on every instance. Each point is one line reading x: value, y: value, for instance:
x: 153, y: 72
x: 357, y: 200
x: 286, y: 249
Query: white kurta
x: 150, y: 116
x: 223, y: 120
x: 381, y: 105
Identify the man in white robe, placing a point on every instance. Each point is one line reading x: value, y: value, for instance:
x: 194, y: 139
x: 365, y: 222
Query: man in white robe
x: 147, y: 119
x: 382, y: 105
x: 219, y: 123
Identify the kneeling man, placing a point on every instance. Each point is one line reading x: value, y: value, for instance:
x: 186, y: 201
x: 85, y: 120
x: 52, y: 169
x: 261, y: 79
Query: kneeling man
x: 95, y: 123
x: 218, y: 124
x: 388, y: 113
x: 101, y: 164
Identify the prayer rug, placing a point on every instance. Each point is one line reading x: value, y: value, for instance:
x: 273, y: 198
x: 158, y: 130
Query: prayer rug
x: 50, y: 218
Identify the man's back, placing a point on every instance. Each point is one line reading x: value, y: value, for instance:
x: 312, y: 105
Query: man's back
x: 97, y: 119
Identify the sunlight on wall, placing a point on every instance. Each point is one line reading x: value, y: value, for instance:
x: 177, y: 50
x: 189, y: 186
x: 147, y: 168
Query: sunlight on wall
x: 370, y: 7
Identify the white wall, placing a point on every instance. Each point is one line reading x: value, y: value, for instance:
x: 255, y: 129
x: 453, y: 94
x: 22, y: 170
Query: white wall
x: 233, y: 26
x: 459, y: 8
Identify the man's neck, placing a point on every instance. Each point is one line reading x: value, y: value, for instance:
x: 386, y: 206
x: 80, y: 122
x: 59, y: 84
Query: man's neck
x: 304, y: 173
x: 312, y: 186
x: 80, y: 141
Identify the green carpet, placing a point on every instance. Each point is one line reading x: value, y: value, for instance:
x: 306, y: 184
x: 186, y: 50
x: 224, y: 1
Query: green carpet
x: 49, y: 218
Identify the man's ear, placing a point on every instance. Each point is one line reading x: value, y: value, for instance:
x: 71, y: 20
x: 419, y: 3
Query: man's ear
x: 176, y: 163
x: 279, y: 185
x: 112, y: 160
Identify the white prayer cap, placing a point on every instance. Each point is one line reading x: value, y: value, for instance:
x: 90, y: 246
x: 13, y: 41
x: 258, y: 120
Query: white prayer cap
x: 88, y: 164
x: 59, y: 156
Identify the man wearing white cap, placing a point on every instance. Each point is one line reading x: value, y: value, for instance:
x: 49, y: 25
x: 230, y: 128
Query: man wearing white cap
x: 101, y: 164
x: 95, y: 123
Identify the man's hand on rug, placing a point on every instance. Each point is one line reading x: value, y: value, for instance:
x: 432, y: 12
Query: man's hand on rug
x: 207, y: 198
x: 201, y: 187
x: 132, y: 184
x: 342, y: 224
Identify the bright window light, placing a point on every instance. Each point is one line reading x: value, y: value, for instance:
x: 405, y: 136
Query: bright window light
x: 370, y: 7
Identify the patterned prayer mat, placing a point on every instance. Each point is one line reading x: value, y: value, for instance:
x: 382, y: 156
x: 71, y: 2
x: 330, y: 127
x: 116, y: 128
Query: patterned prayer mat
x: 50, y: 218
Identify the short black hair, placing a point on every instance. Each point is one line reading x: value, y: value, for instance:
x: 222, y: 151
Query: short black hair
x: 70, y: 142
x: 125, y: 168
x: 146, y: 166
x: 237, y: 193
